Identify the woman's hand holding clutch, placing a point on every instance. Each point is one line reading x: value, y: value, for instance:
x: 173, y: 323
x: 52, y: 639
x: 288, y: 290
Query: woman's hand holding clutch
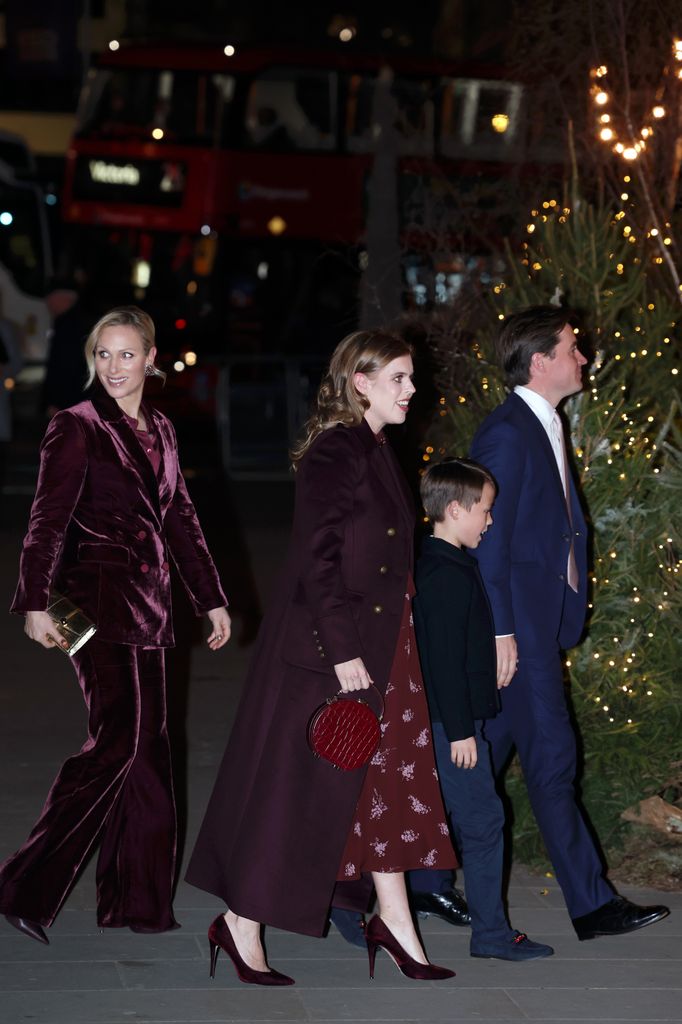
x: 40, y: 627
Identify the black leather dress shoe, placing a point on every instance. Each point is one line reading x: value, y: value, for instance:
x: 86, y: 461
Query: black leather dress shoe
x: 30, y: 928
x: 449, y: 906
x: 617, y: 917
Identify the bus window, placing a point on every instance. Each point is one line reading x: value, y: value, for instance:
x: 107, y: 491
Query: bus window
x: 480, y: 118
x: 413, y: 115
x: 414, y: 102
x: 360, y: 137
x: 171, y: 106
x: 290, y: 109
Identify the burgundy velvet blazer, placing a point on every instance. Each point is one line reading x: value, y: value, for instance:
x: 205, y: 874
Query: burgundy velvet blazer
x: 103, y: 526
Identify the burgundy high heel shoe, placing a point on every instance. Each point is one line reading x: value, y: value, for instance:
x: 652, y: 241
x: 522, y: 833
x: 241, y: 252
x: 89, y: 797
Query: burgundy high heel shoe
x: 28, y: 927
x: 379, y: 937
x: 220, y: 937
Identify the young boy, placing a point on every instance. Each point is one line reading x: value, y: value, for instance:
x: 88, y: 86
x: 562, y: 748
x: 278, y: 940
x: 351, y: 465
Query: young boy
x: 456, y: 643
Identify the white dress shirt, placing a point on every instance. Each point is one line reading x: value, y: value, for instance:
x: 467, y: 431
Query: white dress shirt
x: 545, y: 412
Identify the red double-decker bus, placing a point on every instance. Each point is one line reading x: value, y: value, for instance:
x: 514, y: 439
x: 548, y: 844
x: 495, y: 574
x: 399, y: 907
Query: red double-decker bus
x: 230, y: 189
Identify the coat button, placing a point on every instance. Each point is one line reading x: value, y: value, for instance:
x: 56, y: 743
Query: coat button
x: 390, y: 532
x: 165, y: 566
x: 565, y: 536
x: 314, y: 632
x: 141, y: 534
x: 322, y: 654
x: 377, y: 609
x: 562, y: 576
x: 144, y: 567
x: 383, y: 569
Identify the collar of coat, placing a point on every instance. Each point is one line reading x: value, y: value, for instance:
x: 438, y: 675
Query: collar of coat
x: 443, y: 549
x: 387, y: 467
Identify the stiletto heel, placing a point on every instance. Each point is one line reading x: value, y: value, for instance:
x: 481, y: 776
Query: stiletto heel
x: 371, y: 953
x: 378, y: 935
x: 220, y: 937
x: 215, y: 949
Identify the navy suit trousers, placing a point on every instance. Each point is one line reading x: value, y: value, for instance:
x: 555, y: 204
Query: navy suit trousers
x: 535, y: 720
x: 477, y: 818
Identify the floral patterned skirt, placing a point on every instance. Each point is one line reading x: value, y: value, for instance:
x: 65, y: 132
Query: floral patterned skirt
x: 399, y: 821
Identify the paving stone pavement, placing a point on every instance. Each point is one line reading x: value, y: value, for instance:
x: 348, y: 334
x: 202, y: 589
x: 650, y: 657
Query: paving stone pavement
x: 90, y: 977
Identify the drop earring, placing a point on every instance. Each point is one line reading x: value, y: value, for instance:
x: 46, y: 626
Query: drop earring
x: 149, y: 370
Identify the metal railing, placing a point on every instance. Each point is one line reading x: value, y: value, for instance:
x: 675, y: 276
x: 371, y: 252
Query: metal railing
x: 261, y: 403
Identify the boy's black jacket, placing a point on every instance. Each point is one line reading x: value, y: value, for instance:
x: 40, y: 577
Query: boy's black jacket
x: 455, y: 637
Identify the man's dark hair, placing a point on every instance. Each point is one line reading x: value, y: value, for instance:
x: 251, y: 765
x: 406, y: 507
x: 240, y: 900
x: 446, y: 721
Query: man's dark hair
x: 525, y: 333
x: 460, y: 480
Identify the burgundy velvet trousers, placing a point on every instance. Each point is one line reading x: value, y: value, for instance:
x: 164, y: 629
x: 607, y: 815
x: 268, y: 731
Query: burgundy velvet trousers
x: 118, y: 789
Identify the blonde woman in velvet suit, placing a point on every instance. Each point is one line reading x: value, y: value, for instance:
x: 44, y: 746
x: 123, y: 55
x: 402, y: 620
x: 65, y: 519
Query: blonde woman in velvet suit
x: 110, y: 509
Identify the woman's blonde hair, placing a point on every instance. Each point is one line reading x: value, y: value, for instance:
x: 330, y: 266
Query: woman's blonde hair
x: 338, y: 401
x: 122, y: 316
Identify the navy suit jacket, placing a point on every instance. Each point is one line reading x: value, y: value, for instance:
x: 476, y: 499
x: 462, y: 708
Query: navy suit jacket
x: 524, y: 555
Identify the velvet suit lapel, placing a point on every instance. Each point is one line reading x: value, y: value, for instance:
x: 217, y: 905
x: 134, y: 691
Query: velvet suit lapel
x: 130, y: 448
x: 165, y: 484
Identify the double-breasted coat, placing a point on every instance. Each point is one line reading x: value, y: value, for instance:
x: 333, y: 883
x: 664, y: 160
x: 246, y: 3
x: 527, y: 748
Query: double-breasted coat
x: 274, y: 832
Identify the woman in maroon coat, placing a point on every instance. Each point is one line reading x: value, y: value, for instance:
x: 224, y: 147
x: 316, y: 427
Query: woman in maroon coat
x: 110, y: 508
x: 282, y: 827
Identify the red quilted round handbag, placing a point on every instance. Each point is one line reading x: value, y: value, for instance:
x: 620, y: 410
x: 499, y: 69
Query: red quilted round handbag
x: 345, y: 730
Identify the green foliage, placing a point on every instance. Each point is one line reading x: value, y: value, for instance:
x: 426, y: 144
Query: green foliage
x: 626, y: 683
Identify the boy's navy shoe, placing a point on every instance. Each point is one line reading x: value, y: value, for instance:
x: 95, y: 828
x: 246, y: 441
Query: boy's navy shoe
x: 519, y: 947
x: 449, y: 906
x: 350, y: 924
x: 617, y: 917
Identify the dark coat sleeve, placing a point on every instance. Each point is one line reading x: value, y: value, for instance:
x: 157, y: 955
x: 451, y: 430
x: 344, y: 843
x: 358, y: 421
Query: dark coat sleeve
x: 327, y: 487
x: 443, y: 634
x: 63, y: 468
x: 499, y: 447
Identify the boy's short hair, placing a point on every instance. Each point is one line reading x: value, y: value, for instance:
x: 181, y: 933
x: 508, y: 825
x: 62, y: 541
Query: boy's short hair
x: 460, y: 480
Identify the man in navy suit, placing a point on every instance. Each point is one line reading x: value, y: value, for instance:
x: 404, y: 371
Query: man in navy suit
x: 534, y: 567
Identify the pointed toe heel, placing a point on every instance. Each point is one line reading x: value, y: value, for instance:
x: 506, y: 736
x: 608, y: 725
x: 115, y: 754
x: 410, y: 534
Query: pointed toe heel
x: 220, y: 937
x: 380, y: 937
x: 30, y: 928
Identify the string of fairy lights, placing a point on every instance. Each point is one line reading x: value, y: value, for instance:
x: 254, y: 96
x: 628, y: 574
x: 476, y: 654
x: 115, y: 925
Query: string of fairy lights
x: 628, y: 142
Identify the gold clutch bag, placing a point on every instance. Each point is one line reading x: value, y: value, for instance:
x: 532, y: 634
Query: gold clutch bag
x: 71, y: 623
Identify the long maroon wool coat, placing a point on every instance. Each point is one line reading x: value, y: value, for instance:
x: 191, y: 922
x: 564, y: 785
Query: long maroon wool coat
x: 103, y: 527
x: 274, y: 832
